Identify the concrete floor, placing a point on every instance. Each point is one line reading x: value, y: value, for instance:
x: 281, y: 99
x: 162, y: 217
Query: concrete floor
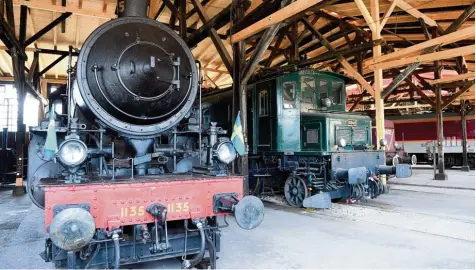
x: 420, y: 224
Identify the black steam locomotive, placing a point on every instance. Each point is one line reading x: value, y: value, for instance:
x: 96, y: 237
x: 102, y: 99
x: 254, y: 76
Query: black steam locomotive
x: 137, y: 175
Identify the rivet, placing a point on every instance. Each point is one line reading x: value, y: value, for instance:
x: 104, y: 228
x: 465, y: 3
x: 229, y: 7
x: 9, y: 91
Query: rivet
x: 186, y: 198
x: 122, y: 202
x: 180, y: 198
x: 95, y: 198
x: 130, y: 201
x: 49, y: 207
x: 138, y: 201
x: 130, y: 220
x: 114, y: 202
x: 122, y: 221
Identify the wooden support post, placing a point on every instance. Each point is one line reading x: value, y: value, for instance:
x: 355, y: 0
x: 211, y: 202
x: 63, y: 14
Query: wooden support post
x: 378, y: 74
x: 440, y: 174
x: 241, y: 164
x: 464, y: 137
x: 19, y: 74
x: 182, y: 18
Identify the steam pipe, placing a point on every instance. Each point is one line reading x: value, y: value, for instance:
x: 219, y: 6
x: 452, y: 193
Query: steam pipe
x: 200, y: 111
x: 117, y: 251
x: 132, y: 8
x: 187, y: 264
x: 68, y: 86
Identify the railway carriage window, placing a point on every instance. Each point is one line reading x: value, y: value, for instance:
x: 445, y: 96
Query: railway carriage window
x: 289, y: 95
x: 308, y: 93
x: 337, y: 88
x: 323, y: 89
x: 263, y: 103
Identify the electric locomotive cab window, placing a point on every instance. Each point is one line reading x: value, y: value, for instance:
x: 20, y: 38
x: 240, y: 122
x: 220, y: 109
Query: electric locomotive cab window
x: 308, y: 93
x: 263, y: 103
x: 337, y: 89
x: 323, y: 89
x: 289, y: 95
x: 359, y: 135
x: 312, y: 136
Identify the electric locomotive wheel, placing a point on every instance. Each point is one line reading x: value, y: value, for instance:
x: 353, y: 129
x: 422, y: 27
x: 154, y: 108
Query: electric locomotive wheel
x: 414, y: 160
x: 295, y: 190
x: 395, y: 160
x: 136, y: 76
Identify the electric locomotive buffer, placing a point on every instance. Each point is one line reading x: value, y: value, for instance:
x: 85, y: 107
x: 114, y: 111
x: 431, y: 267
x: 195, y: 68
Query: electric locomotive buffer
x: 133, y: 179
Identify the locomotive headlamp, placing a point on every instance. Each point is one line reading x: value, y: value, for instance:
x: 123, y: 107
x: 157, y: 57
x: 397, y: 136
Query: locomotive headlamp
x: 225, y: 152
x: 326, y: 102
x: 341, y: 142
x: 72, y: 152
x: 396, y: 145
x: 383, y: 142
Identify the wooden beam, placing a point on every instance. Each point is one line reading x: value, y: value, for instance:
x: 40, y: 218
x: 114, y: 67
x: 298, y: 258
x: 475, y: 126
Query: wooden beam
x: 442, y: 40
x: 388, y: 14
x: 464, y: 76
x: 225, y: 56
x: 357, y: 102
x: 356, y: 75
x: 426, y: 57
x: 365, y: 12
x: 416, y: 13
x: 215, y: 70
x: 278, y: 16
x: 456, y: 95
x: 45, y: 5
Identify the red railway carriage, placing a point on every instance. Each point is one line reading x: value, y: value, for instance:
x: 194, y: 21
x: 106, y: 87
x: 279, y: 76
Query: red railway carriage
x: 418, y: 131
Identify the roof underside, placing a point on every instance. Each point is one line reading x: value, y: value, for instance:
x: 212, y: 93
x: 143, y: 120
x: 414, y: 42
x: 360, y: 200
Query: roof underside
x: 341, y: 22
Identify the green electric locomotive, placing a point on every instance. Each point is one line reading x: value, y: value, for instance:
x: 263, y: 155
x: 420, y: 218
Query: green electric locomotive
x: 303, y: 142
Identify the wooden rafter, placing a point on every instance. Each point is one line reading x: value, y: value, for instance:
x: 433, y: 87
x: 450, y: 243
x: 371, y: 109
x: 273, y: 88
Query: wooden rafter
x: 225, y: 56
x: 441, y: 41
x: 387, y: 15
x: 45, y: 5
x: 416, y: 13
x: 464, y: 76
x: 446, y: 54
x: 278, y: 16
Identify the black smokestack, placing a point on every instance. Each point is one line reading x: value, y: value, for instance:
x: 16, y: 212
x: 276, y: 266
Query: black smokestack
x: 132, y: 8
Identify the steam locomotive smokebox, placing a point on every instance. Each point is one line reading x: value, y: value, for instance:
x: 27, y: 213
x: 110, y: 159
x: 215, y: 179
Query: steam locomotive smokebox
x: 136, y: 76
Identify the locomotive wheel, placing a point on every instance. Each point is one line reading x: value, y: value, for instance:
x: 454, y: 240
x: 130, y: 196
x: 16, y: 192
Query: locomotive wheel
x: 414, y: 160
x: 395, y: 160
x: 295, y: 190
